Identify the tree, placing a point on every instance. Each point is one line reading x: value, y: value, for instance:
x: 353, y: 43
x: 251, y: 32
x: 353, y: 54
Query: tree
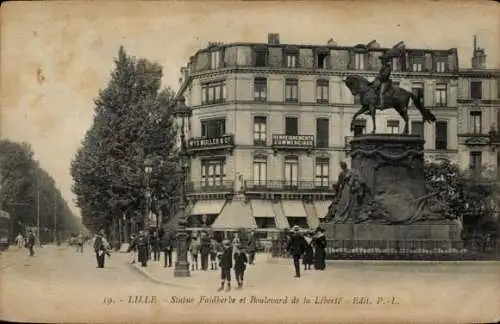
x: 25, y: 186
x: 131, y: 123
x: 470, y: 195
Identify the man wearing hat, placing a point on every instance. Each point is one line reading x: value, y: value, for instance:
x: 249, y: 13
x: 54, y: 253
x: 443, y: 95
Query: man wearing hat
x: 383, y: 80
x: 226, y: 263
x: 296, y: 247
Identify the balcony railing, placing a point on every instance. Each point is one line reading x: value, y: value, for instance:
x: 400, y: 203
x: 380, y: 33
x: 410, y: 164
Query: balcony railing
x: 281, y: 185
x: 203, y: 186
x: 197, y: 144
x: 474, y: 139
x: 297, y: 142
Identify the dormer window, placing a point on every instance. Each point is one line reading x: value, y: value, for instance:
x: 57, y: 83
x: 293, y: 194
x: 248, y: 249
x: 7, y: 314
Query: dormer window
x: 260, y: 57
x: 215, y: 59
x: 291, y: 58
x: 322, y: 58
x: 440, y: 64
x: 359, y: 61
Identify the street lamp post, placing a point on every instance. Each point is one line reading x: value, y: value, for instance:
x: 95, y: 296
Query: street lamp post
x: 182, y: 114
x: 148, y: 168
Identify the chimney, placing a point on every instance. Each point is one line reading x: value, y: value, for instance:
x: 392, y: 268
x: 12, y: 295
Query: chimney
x: 273, y: 38
x: 373, y: 44
x: 478, y: 56
x: 331, y: 42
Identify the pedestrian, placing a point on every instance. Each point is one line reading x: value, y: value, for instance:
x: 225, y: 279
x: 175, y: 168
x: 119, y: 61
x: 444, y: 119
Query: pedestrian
x: 30, y: 242
x: 252, y: 247
x: 132, y: 248
x: 155, y: 246
x: 79, y: 243
x: 309, y: 253
x: 204, y: 250
x: 194, y: 249
x: 19, y: 240
x: 225, y: 264
x: 240, y: 265
x: 167, y: 247
x: 100, y: 248
x: 296, y: 247
x: 319, y: 249
x: 143, y: 253
x: 214, y: 249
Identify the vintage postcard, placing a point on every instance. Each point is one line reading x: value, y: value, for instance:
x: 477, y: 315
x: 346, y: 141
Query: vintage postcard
x: 250, y: 162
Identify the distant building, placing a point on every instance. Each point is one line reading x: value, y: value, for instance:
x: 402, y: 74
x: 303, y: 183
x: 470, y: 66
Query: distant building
x: 270, y: 124
x: 479, y: 114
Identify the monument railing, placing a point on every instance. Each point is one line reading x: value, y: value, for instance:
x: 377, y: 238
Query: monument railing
x: 402, y: 250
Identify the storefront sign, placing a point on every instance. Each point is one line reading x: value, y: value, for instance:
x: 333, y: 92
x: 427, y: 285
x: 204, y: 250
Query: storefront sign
x: 293, y: 141
x: 207, y: 143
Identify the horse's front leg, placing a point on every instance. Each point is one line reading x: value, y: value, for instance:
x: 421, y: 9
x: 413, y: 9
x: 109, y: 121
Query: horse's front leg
x: 373, y: 113
x: 356, y: 115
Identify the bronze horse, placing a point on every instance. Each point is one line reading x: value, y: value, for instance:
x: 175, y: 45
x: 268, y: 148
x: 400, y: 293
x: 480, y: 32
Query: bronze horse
x: 395, y: 98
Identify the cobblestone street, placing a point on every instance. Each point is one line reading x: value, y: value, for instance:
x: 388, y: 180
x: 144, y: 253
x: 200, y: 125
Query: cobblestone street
x: 63, y: 282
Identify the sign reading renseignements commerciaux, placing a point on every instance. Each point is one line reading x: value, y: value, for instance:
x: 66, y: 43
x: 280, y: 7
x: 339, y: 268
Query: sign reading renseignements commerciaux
x: 202, y: 142
x: 293, y: 140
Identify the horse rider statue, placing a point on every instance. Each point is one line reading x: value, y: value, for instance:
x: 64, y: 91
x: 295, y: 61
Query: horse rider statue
x: 383, y: 80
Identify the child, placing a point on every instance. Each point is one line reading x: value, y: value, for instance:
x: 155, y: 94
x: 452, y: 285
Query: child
x: 240, y: 261
x: 226, y: 263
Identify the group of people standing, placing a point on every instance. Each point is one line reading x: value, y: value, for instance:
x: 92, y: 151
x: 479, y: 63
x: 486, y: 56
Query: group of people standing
x: 28, y: 242
x: 310, y: 246
x: 145, y: 247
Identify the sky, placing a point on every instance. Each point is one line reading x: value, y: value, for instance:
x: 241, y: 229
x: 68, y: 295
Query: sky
x: 55, y: 56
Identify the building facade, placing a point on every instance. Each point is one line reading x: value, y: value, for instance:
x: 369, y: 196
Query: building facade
x: 271, y: 123
x: 479, y: 115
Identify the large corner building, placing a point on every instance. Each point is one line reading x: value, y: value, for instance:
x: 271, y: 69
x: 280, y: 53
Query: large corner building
x: 270, y: 125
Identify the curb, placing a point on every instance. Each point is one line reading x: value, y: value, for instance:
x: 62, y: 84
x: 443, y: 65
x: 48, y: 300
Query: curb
x: 152, y: 278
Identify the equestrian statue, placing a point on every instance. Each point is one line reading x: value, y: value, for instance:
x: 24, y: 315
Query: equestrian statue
x: 381, y: 94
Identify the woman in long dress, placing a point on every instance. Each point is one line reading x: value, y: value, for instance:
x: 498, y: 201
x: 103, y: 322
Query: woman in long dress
x: 309, y: 253
x: 319, y: 249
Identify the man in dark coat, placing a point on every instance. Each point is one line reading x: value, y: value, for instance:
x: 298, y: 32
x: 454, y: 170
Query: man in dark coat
x: 30, y: 243
x: 296, y: 247
x: 155, y: 246
x: 383, y: 79
x: 226, y: 263
x: 100, y: 248
x: 252, y: 247
x: 204, y: 250
x: 167, y: 244
x: 142, y: 249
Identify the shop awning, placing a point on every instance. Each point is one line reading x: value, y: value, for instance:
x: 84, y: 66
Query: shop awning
x: 293, y: 208
x: 235, y: 214
x: 321, y: 207
x: 208, y: 207
x: 262, y: 208
x: 280, y: 218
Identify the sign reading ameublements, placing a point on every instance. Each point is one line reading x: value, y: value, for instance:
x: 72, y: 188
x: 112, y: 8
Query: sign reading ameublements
x: 293, y: 140
x: 201, y: 143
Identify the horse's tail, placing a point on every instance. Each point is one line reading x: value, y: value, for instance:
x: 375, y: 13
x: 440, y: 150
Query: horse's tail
x: 427, y: 115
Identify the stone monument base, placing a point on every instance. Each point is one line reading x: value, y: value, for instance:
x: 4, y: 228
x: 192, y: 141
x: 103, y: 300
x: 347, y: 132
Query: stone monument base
x: 428, y: 235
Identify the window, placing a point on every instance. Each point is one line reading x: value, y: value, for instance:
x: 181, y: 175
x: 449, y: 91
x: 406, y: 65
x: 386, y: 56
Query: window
x: 359, y: 127
x: 417, y: 128
x: 322, y: 126
x: 393, y: 126
x: 214, y: 59
x: 322, y: 172
x: 291, y: 90
x: 441, y: 135
x: 441, y: 66
x: 418, y: 89
x: 291, y: 168
x: 260, y: 57
x: 213, y: 128
x: 417, y: 63
x: 475, y: 122
x: 476, y: 90
x: 475, y: 160
x: 291, y: 126
x: 212, y: 173
x: 441, y: 97
x: 322, y: 60
x: 291, y: 60
x: 260, y: 89
x: 259, y: 130
x: 259, y: 171
x: 213, y: 92
x: 265, y: 222
x: 322, y: 89
x: 359, y: 61
x: 395, y: 64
